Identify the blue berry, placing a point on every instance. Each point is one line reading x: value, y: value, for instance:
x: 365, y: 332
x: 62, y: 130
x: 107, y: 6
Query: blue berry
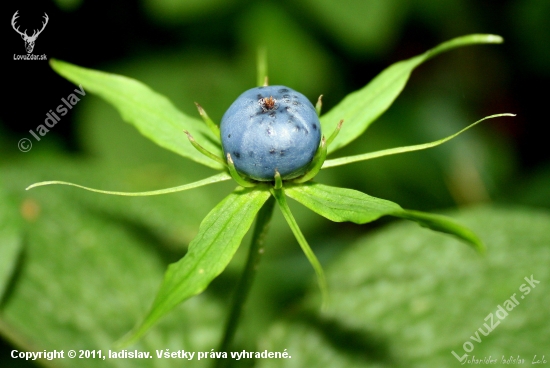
x: 271, y: 128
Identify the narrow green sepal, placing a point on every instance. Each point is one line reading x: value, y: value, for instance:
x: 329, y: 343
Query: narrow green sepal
x: 214, y: 128
x: 279, y: 195
x: 278, y: 180
x: 203, y: 150
x: 393, y: 151
x: 213, y: 179
x: 236, y: 176
x: 335, y: 132
x: 316, y: 163
x: 319, y: 105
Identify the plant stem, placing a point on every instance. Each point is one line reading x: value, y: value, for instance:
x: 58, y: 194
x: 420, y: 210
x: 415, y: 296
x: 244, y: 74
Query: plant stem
x: 245, y: 283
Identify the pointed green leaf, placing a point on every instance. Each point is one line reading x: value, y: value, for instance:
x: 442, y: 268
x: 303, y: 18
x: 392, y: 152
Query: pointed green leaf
x: 360, y: 108
x: 394, y: 151
x: 209, y: 253
x: 339, y: 205
x: 279, y: 195
x: 150, y: 112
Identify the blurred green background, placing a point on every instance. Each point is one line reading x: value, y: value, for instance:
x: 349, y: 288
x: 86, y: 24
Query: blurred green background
x: 78, y: 269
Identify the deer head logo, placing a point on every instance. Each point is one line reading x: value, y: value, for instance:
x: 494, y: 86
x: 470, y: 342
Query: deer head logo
x: 29, y: 40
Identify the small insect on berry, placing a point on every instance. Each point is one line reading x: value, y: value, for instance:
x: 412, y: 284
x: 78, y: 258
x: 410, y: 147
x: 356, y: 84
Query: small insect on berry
x: 269, y: 129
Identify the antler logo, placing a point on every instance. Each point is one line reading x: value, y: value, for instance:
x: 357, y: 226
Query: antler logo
x: 29, y: 40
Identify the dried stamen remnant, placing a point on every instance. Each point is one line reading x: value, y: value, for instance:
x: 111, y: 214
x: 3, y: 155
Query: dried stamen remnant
x: 267, y: 103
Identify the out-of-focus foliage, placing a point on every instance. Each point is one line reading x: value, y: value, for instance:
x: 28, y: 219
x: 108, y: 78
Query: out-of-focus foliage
x: 360, y: 27
x: 77, y: 268
x: 10, y: 239
x: 406, y: 297
x: 530, y: 27
x: 68, y: 5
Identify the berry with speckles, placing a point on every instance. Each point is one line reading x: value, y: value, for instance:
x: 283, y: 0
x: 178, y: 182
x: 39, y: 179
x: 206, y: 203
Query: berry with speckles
x: 271, y: 128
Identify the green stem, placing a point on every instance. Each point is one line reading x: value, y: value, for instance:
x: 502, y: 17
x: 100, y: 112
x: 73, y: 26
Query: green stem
x: 262, y: 67
x: 245, y: 283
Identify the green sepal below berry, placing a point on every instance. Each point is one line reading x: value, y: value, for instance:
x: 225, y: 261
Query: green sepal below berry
x: 278, y: 181
x: 316, y: 164
x: 335, y: 132
x: 236, y: 176
x: 214, y: 128
x: 203, y: 150
x: 319, y: 105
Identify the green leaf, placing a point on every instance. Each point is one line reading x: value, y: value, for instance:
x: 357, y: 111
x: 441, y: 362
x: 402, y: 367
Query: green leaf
x: 281, y: 200
x: 339, y: 205
x: 183, y: 77
x: 360, y: 108
x: 213, y: 179
x: 209, y: 253
x: 151, y: 113
x: 394, y: 151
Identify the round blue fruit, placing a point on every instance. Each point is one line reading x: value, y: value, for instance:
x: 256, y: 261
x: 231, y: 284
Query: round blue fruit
x: 271, y: 128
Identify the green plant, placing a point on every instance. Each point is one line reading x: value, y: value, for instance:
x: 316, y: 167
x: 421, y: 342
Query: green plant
x: 224, y: 227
